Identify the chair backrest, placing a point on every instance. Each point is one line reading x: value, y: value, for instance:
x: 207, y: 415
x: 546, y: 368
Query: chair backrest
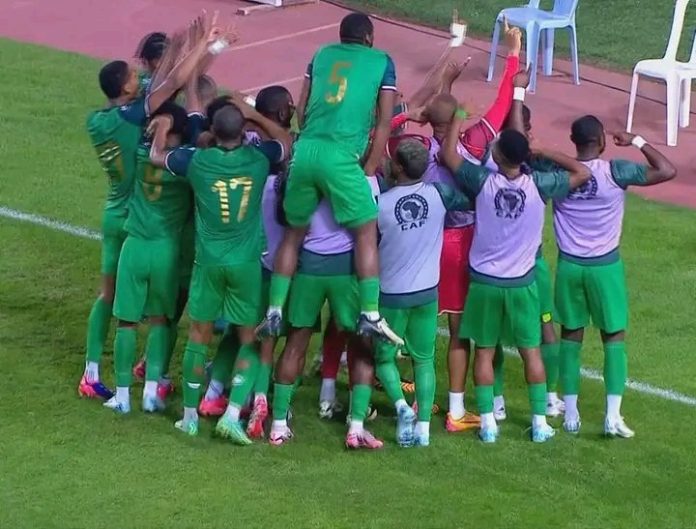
x: 565, y: 8
x: 692, y: 59
x: 677, y: 26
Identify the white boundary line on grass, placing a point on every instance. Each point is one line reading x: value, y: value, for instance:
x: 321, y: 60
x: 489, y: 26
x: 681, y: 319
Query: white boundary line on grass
x: 592, y: 374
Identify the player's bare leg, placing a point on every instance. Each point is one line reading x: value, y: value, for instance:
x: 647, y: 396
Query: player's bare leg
x: 288, y: 369
x: 362, y: 375
x: 98, y: 323
x: 458, y: 357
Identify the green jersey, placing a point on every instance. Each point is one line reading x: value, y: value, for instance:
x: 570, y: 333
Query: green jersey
x: 161, y: 201
x: 115, y: 133
x: 345, y: 82
x: 227, y: 186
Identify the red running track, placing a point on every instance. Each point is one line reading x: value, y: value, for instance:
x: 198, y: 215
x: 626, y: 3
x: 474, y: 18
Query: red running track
x: 275, y: 46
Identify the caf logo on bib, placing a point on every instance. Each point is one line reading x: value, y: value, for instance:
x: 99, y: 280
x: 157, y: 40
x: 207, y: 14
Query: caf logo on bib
x: 509, y: 203
x: 586, y: 191
x: 411, y: 212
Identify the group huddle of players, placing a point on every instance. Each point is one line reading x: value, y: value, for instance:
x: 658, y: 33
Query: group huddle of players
x: 260, y: 213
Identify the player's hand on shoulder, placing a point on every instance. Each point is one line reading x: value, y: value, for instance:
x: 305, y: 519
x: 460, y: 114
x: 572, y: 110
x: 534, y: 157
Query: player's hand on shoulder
x: 163, y: 120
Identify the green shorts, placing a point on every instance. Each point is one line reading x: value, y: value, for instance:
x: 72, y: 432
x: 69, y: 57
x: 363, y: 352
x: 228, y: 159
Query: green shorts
x: 321, y: 169
x: 147, y: 283
x: 187, y: 254
x: 597, y: 291
x: 113, y: 237
x: 308, y: 294
x: 233, y: 291
x: 507, y: 315
x: 417, y: 325
x: 543, y: 281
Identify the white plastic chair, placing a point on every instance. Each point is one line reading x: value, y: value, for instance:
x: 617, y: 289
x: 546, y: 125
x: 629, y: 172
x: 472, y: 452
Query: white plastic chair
x: 676, y: 75
x: 535, y: 22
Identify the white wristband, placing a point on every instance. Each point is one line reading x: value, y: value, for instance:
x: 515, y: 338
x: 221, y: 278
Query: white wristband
x: 217, y: 47
x: 639, y: 142
x: 519, y: 93
x: 250, y: 101
x: 458, y: 32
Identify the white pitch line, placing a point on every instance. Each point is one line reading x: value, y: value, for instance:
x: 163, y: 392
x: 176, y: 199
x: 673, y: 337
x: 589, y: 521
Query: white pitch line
x: 281, y: 82
x: 284, y: 37
x: 591, y: 374
x: 635, y: 385
x: 57, y: 225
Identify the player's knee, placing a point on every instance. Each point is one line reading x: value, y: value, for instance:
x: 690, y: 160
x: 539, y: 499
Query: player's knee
x: 573, y: 335
x: 158, y: 320
x: 618, y: 336
x: 201, y: 332
x: 123, y: 323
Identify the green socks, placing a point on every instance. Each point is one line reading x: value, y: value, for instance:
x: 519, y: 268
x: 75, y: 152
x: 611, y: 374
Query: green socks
x: 360, y: 401
x: 424, y: 372
x: 615, y: 367
x: 369, y: 294
x: 484, y: 398
x: 263, y: 379
x: 193, y: 370
x: 387, y: 372
x: 280, y: 286
x: 156, y: 352
x: 244, y: 377
x: 282, y: 395
x: 124, y: 355
x: 97, y: 329
x: 498, y: 361
x: 226, y: 354
x: 549, y: 355
x: 570, y: 366
x: 537, y: 398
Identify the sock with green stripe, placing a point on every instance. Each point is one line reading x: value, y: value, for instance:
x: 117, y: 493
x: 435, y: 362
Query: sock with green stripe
x: 615, y: 374
x: 244, y: 376
x: 193, y: 367
x: 97, y: 329
x: 549, y: 355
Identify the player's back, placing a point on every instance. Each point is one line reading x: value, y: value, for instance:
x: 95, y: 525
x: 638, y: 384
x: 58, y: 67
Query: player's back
x: 345, y: 82
x: 115, y: 134
x: 161, y: 201
x: 228, y: 187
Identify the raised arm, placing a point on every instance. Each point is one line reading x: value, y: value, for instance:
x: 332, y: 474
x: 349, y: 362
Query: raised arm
x: 159, y: 128
x: 515, y: 119
x: 578, y: 173
x: 270, y: 127
x: 382, y: 131
x: 185, y: 67
x: 659, y: 170
x: 448, y: 154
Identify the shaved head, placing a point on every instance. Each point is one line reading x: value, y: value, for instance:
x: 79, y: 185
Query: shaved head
x: 441, y: 110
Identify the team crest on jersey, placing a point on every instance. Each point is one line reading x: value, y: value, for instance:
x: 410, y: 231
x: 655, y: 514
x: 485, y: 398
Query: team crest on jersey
x: 509, y: 203
x: 586, y: 191
x: 411, y: 212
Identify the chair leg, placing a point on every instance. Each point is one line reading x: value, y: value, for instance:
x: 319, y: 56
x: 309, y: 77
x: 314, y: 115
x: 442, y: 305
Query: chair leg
x: 548, y: 36
x: 494, y: 50
x: 573, y: 38
x: 533, y: 35
x: 632, y: 102
x: 673, y: 89
x: 685, y: 103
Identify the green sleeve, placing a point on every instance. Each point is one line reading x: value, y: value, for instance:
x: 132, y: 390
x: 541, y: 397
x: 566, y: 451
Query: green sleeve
x: 471, y: 177
x: 627, y: 173
x: 453, y: 199
x: 554, y: 185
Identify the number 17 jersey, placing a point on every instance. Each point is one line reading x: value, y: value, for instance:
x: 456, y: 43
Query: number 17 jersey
x: 345, y: 82
x: 228, y: 187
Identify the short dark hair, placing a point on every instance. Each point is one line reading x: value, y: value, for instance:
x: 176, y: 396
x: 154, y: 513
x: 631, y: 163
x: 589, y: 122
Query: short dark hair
x: 514, y: 146
x: 412, y: 155
x: 178, y: 114
x: 112, y: 78
x: 152, y: 46
x: 586, y: 130
x: 272, y: 100
x: 228, y: 123
x: 356, y: 28
x: 215, y: 105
